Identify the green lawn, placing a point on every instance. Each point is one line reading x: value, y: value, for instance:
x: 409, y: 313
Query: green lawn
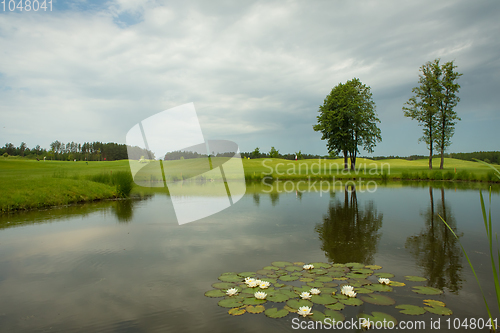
x: 28, y: 184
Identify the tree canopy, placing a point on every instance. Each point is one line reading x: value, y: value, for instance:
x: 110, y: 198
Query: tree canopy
x: 348, y: 120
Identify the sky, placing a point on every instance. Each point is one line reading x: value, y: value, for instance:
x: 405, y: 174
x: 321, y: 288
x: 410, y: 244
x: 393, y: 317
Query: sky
x: 256, y: 71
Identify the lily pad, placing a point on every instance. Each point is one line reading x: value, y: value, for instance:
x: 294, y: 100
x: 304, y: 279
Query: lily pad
x: 396, y: 284
x: 294, y: 303
x: 278, y: 298
x: 288, y: 278
x: 288, y: 292
x: 215, y: 293
x: 337, y: 306
x: 336, y: 274
x: 265, y: 271
x: 410, y: 309
x: 223, y: 285
x: 230, y: 278
x: 355, y: 265
x: 338, y: 265
x: 334, y: 315
x: 237, y: 311
x: 230, y: 303
x: 306, y: 279
x: 321, y: 265
x: 324, y: 279
x: 439, y: 310
x: 279, y: 285
x: 293, y: 268
x: 379, y: 287
x: 255, y: 309
x: 299, y: 274
x: 352, y: 301
x: 315, y: 284
x: 426, y: 290
x: 317, y: 315
x: 381, y: 317
x: 363, y: 290
x: 275, y: 313
x: 373, y: 267
x: 299, y: 263
x: 281, y: 263
x: 377, y: 299
x: 271, y: 268
x: 415, y: 278
x: 253, y: 301
x: 363, y: 271
x: 270, y: 280
x: 328, y: 291
x: 229, y: 273
x: 319, y: 271
x: 289, y: 309
x: 247, y: 274
x: 385, y: 275
x: 433, y: 302
x: 323, y: 299
x: 357, y: 275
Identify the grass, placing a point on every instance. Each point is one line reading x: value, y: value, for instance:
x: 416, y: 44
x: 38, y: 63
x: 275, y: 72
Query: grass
x: 28, y: 184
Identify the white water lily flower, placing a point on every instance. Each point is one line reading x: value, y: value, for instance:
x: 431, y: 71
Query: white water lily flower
x: 232, y: 292
x: 304, y: 311
x: 264, y: 284
x: 260, y: 295
x: 384, y: 281
x: 258, y: 281
x: 252, y: 284
x: 305, y: 295
x: 351, y: 293
x: 366, y: 324
x: 346, y: 289
x: 248, y: 279
x: 308, y: 267
x: 314, y: 291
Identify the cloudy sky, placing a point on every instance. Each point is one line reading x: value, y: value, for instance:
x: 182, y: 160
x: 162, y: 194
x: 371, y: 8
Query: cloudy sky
x: 256, y: 71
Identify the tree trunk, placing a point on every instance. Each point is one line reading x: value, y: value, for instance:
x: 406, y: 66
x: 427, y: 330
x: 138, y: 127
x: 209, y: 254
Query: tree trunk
x: 345, y: 160
x: 442, y: 158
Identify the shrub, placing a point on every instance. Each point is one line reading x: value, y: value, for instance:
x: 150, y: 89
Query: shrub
x: 405, y: 175
x: 436, y: 175
x: 123, y: 181
x: 462, y: 175
x: 449, y: 175
x: 5, y: 155
x: 490, y: 177
x: 424, y: 175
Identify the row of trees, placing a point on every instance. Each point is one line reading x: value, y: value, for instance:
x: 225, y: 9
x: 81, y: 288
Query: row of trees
x: 89, y: 151
x: 432, y: 105
x: 348, y: 120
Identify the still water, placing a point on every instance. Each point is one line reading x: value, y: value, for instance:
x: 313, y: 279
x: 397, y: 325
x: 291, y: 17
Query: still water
x: 127, y: 266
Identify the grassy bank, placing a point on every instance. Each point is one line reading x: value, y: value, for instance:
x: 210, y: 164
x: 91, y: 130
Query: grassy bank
x: 28, y: 184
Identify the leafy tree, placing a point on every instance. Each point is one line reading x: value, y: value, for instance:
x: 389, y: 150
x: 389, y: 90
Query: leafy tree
x: 273, y: 153
x: 432, y: 105
x: 256, y: 153
x: 22, y: 148
x: 348, y: 120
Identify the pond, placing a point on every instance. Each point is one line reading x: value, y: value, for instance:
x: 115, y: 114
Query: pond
x: 128, y: 266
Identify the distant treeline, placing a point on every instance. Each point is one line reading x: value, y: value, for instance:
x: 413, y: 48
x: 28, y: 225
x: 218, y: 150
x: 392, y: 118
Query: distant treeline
x: 486, y: 156
x: 88, y: 151
x: 181, y: 155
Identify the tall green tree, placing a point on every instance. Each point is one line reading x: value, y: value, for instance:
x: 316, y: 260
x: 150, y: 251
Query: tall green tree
x: 432, y: 105
x: 348, y: 120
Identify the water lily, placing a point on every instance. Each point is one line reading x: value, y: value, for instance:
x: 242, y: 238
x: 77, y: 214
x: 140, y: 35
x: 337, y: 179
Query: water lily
x: 304, y: 311
x: 351, y: 294
x: 248, y: 279
x: 264, y: 284
x: 345, y: 289
x: 384, y: 281
x: 252, y: 283
x: 308, y: 267
x: 260, y: 295
x: 232, y: 292
x: 305, y: 295
x: 366, y: 324
x: 314, y: 291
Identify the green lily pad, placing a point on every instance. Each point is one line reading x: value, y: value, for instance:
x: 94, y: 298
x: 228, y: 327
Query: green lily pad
x: 295, y: 304
x: 338, y: 265
x: 317, y: 315
x: 265, y: 271
x: 324, y: 279
x: 215, y: 293
x: 433, y: 302
x: 396, y: 284
x: 289, y: 309
x: 385, y: 275
x: 288, y: 292
x: 255, y: 309
x: 362, y: 290
x: 299, y: 274
x: 336, y: 274
x: 319, y: 271
x: 380, y: 317
x: 278, y: 298
x: 279, y: 285
x: 275, y: 313
x: 426, y: 290
x: 293, y: 268
x: 356, y: 275
x: 229, y: 273
x: 288, y: 278
x: 410, y: 309
x: 300, y: 290
x: 270, y: 280
x: 352, y: 301
x: 299, y: 263
x: 237, y: 311
x: 354, y: 265
x: 306, y: 279
x: 373, y: 267
x: 250, y: 290
x: 253, y: 301
x: 334, y: 315
x: 377, y: 299
x: 323, y: 299
x: 247, y: 274
x: 230, y: 278
x: 315, y: 284
x: 328, y: 291
x: 379, y: 287
x: 281, y: 263
x: 363, y: 271
x: 321, y: 265
x: 271, y: 268
x: 439, y: 310
x: 337, y: 306
x: 223, y: 285
x: 230, y: 303
x: 415, y: 278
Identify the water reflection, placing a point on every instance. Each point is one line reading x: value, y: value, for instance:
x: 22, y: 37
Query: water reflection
x: 123, y: 210
x: 350, y: 233
x: 435, y: 248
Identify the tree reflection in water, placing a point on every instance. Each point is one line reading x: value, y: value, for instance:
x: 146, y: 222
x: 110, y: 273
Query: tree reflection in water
x: 348, y: 233
x: 436, y: 250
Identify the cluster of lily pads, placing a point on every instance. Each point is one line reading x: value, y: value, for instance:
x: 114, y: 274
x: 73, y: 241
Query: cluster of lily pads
x: 311, y: 290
